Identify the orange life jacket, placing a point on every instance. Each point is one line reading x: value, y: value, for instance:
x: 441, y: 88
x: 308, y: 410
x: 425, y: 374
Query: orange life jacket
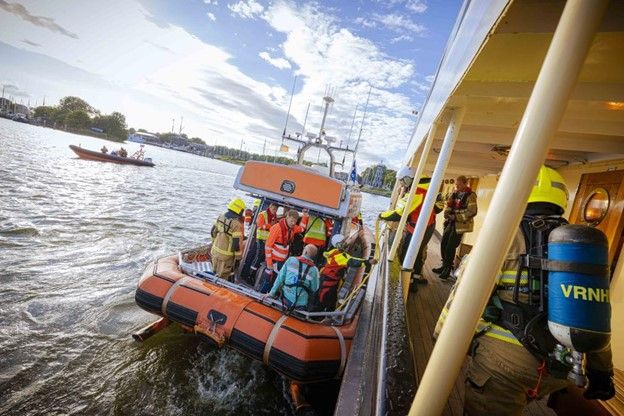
x: 280, y: 237
x: 413, y: 216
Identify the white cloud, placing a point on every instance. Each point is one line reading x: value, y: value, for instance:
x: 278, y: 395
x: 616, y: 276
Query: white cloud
x: 247, y: 9
x: 416, y: 6
x: 211, y: 16
x: 279, y: 63
x: 401, y: 38
x: 365, y: 22
x: 176, y: 73
x: 430, y: 78
x: 213, y: 2
x: 399, y: 23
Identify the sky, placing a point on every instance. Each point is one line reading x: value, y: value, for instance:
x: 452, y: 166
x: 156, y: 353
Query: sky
x: 227, y: 67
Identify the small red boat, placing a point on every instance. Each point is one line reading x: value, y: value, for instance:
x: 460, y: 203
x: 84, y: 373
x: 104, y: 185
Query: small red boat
x: 106, y: 157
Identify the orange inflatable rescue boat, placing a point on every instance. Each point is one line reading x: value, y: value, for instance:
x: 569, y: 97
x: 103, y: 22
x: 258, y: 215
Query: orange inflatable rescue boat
x: 303, y: 346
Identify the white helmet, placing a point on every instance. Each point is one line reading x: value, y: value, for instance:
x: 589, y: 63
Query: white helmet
x: 405, y: 172
x: 336, y: 239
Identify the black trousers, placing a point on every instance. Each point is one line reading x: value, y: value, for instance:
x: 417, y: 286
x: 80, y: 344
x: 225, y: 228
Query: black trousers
x: 448, y: 245
x: 420, y: 262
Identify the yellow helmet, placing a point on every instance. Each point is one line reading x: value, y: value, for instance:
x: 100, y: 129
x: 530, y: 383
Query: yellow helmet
x: 549, y: 187
x: 237, y: 206
x: 256, y: 203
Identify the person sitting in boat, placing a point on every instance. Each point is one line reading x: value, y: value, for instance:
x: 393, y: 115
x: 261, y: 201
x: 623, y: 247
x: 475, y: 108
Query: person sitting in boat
x: 338, y: 261
x: 227, y: 234
x: 113, y: 153
x: 298, y: 281
x: 104, y: 150
x: 123, y: 152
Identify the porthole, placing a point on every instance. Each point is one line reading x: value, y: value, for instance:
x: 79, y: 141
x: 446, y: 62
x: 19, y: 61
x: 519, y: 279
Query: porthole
x: 596, y: 206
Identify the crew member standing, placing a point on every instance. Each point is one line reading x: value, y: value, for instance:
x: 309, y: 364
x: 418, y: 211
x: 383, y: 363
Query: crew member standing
x: 277, y: 245
x: 504, y: 373
x: 460, y: 210
x: 227, y: 234
x: 264, y: 222
x: 406, y: 176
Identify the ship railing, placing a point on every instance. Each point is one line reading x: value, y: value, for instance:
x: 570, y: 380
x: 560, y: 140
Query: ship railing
x: 334, y: 318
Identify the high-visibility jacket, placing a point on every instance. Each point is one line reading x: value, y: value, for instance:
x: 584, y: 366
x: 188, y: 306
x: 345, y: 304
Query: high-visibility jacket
x: 414, y: 209
x: 316, y: 233
x: 337, y: 262
x: 464, y: 206
x: 505, y: 282
x: 227, y: 234
x: 264, y: 222
x: 280, y: 237
x: 247, y: 219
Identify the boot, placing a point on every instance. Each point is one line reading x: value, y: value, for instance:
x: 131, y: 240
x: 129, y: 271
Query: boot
x: 438, y: 270
x: 445, y: 273
x: 418, y: 278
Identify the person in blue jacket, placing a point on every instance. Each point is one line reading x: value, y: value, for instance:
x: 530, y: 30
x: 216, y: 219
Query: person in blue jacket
x: 298, y: 280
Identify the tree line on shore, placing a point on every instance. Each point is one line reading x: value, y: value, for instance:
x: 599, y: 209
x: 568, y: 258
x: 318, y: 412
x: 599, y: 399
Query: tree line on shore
x: 74, y: 113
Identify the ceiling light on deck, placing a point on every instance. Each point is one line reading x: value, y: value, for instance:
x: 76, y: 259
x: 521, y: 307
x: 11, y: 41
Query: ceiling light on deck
x: 614, y: 105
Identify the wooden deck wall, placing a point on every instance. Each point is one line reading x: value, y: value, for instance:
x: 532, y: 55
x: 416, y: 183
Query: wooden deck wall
x: 423, y: 309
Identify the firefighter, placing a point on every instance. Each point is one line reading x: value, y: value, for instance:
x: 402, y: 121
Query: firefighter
x: 406, y: 176
x: 227, y: 235
x: 505, y: 373
x: 338, y: 260
x: 458, y: 215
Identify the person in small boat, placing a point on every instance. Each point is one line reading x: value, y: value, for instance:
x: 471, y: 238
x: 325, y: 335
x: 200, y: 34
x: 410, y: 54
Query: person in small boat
x: 264, y: 221
x: 277, y: 246
x: 227, y: 235
x: 298, y: 280
x: 122, y: 152
x: 338, y: 261
x: 316, y: 234
x: 104, y: 150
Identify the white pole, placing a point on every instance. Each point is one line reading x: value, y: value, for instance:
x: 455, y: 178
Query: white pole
x: 412, y: 191
x: 436, y: 180
x: 565, y: 57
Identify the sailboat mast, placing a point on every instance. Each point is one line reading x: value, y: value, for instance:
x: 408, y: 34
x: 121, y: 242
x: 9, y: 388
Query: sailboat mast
x: 292, y: 92
x: 362, y: 125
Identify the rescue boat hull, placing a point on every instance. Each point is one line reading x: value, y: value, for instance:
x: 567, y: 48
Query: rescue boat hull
x: 302, y: 351
x: 105, y: 157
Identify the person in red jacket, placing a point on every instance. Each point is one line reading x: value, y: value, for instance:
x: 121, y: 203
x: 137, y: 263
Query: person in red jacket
x: 277, y: 246
x: 338, y: 261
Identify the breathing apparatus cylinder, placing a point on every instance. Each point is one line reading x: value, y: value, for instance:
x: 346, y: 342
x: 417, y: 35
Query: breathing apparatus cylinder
x: 579, y: 312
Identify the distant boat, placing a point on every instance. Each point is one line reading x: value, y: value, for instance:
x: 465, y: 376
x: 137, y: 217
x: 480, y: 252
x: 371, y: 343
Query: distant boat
x: 106, y: 157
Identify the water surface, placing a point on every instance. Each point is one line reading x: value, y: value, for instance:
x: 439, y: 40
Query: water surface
x: 75, y: 236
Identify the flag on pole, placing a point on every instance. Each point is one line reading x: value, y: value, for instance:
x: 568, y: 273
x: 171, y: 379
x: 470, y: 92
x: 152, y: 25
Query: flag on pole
x: 353, y: 175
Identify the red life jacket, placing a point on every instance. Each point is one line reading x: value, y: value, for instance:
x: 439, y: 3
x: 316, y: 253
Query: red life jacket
x: 332, y: 272
x: 413, y: 216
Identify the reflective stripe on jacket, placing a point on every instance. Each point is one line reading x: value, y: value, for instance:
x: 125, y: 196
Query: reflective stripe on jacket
x: 316, y: 233
x: 280, y: 237
x: 226, y: 242
x: 504, y: 283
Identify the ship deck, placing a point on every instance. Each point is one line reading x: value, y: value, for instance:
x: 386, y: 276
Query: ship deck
x: 423, y: 309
